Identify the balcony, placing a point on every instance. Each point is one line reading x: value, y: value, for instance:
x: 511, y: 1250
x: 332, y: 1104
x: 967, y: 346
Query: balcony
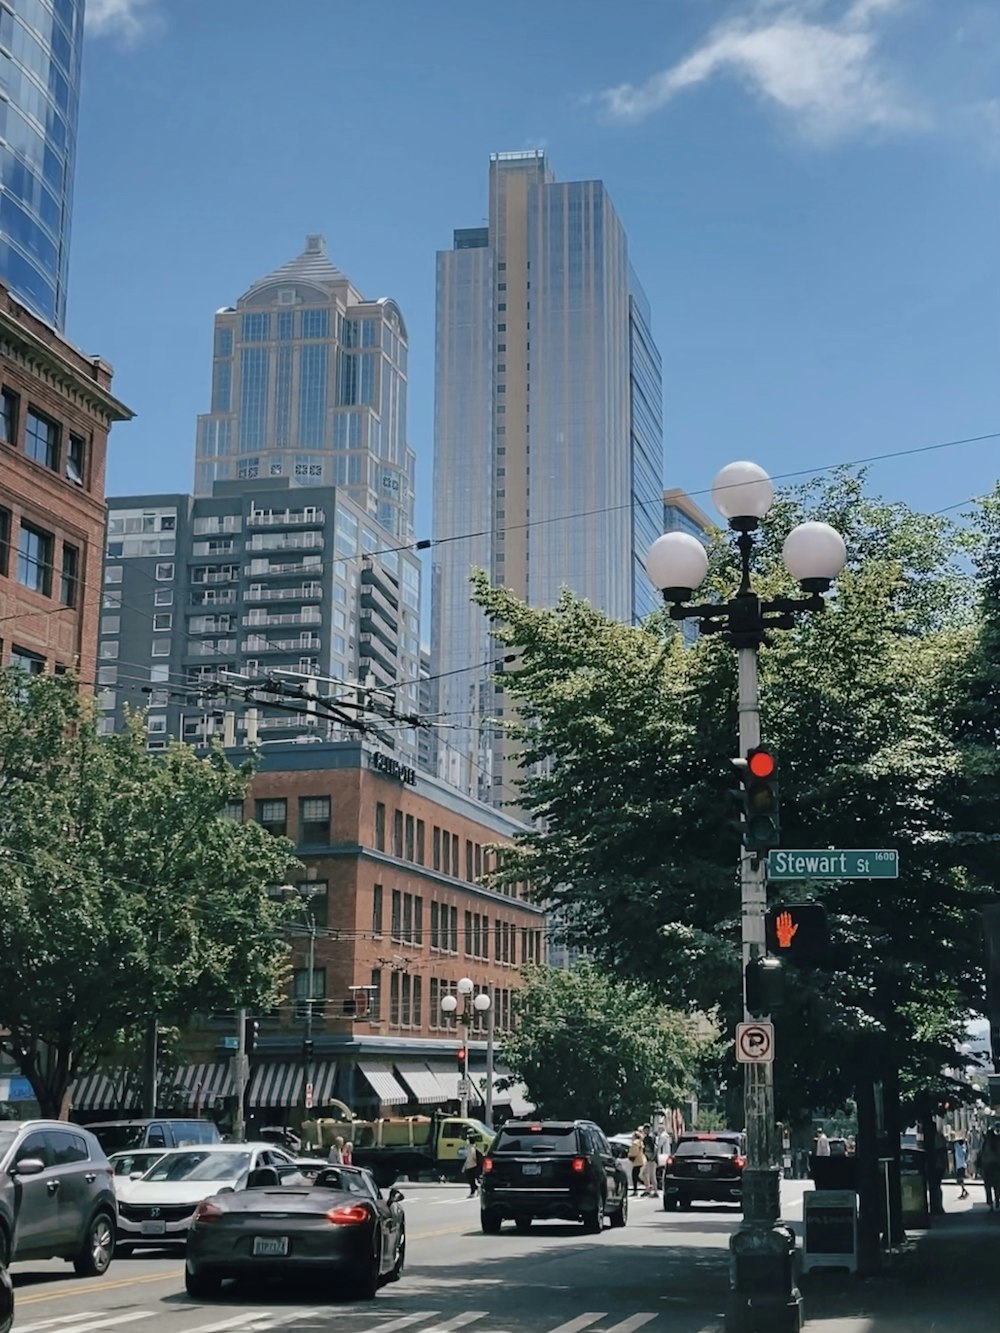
x: 221, y: 597
x: 370, y: 647
x: 289, y: 541
x: 306, y: 615
x: 269, y: 569
x: 284, y: 518
x: 305, y: 592
x: 258, y: 644
x: 286, y: 722
x: 220, y: 648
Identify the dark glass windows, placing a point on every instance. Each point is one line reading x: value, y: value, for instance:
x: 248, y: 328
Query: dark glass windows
x: 41, y: 439
x: 34, y: 559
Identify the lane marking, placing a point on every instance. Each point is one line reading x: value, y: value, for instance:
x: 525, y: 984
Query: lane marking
x: 96, y: 1322
x: 458, y: 1321
x: 402, y: 1322
x: 52, y: 1322
x: 85, y: 1289
x: 629, y: 1325
x: 581, y: 1321
x: 257, y: 1321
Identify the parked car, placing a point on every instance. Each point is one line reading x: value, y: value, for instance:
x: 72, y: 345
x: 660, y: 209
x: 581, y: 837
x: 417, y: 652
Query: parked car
x: 57, y: 1199
x: 706, y: 1167
x: 133, y: 1162
x: 338, y: 1225
x: 157, y: 1208
x: 6, y: 1302
x: 552, y: 1169
x: 117, y: 1135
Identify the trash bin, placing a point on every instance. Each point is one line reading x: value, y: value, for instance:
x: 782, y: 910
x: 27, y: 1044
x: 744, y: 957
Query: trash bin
x: 834, y: 1173
x: 913, y: 1181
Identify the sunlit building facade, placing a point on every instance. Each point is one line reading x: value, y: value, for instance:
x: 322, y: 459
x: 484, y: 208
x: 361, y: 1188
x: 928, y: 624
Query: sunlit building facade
x: 41, y: 43
x: 309, y: 383
x: 548, y: 435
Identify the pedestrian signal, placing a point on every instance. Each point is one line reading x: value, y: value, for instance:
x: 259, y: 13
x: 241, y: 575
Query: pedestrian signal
x: 797, y: 933
x: 764, y: 984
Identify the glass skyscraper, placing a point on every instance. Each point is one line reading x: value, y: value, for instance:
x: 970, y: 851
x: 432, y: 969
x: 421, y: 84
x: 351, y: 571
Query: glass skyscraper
x: 548, y: 452
x: 41, y: 43
x: 309, y: 383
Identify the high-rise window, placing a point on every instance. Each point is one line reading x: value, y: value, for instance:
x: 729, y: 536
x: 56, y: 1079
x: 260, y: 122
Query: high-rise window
x: 70, y: 575
x: 41, y: 439
x: 25, y: 660
x: 273, y: 816
x: 253, y: 398
x: 377, y: 910
x: 9, y: 405
x: 255, y: 327
x: 76, y: 458
x: 397, y: 833
x: 5, y: 525
x: 34, y: 559
x: 375, y: 995
x: 379, y: 827
x: 314, y: 819
x: 315, y: 324
x: 312, y: 393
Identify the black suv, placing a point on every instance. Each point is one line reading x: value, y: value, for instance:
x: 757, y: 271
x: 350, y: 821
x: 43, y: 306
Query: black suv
x: 705, y: 1167
x: 552, y: 1168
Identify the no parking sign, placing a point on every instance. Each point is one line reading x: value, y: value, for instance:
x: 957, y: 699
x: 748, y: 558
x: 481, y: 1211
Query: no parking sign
x: 755, y: 1043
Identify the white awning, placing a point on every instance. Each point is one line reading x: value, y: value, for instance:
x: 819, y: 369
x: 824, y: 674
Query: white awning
x: 422, y: 1081
x: 276, y: 1085
x: 383, y: 1083
x: 106, y: 1090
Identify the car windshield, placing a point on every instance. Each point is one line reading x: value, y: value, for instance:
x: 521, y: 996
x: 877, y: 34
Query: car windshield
x: 706, y: 1148
x: 548, y: 1138
x: 116, y: 1138
x: 199, y: 1166
x: 7, y: 1136
x: 125, y: 1163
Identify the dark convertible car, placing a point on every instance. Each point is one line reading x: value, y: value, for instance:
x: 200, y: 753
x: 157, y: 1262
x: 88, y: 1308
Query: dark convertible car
x: 336, y: 1227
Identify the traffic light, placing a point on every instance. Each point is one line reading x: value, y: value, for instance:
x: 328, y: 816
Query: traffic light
x: 797, y: 933
x: 765, y: 986
x: 460, y: 1058
x: 307, y: 1048
x: 252, y: 1035
x: 758, y: 774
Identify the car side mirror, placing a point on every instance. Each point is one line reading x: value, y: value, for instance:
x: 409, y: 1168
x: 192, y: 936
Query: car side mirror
x: 28, y: 1166
x: 226, y: 1189
x: 396, y: 1196
x: 136, y: 1175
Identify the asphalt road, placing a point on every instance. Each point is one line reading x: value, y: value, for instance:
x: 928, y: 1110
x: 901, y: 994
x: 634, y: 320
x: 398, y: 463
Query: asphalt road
x: 663, y: 1273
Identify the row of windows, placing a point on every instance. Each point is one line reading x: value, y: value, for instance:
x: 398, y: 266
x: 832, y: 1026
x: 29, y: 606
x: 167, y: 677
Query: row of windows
x: 35, y: 566
x: 272, y: 814
x: 409, y: 844
x: 43, y: 438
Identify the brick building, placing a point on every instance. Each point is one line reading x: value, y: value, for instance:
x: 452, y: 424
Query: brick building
x: 392, y: 860
x: 56, y: 408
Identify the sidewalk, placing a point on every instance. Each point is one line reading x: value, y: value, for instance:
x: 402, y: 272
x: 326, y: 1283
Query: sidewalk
x: 945, y: 1280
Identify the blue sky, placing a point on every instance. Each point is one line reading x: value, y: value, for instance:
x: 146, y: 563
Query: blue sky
x: 810, y: 188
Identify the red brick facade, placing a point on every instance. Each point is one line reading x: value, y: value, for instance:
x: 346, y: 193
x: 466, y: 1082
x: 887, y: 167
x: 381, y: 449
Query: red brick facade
x: 398, y: 913
x: 55, y: 414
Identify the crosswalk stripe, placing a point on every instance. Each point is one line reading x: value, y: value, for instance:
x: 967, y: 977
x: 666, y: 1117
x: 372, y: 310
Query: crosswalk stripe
x: 402, y: 1322
x: 257, y: 1321
x: 91, y: 1322
x: 631, y: 1324
x: 458, y: 1321
x: 581, y: 1321
x: 41, y: 1325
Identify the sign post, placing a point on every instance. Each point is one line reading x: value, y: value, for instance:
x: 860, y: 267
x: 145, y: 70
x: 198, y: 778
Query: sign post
x: 833, y: 863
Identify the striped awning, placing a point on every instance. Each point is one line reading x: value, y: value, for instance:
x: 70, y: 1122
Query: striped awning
x: 199, y: 1085
x: 276, y: 1085
x: 422, y: 1081
x: 448, y: 1078
x: 106, y: 1090
x: 323, y: 1077
x: 383, y: 1083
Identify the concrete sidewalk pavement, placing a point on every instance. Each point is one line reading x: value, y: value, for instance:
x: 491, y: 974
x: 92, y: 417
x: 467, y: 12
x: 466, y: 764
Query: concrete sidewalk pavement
x: 944, y: 1280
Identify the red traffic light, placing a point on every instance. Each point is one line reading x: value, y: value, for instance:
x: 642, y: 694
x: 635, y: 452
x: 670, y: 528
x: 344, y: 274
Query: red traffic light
x: 762, y: 763
x: 460, y: 1055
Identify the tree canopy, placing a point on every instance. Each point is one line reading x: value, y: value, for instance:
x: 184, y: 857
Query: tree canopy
x: 125, y: 891
x: 592, y: 1047
x: 881, y: 710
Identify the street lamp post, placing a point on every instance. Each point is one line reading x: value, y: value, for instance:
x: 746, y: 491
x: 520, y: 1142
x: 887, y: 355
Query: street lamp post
x: 482, y: 1003
x: 307, y: 893
x: 763, y: 1295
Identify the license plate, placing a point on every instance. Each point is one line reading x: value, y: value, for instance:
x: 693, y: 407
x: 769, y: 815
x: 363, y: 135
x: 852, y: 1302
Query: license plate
x: 154, y: 1228
x: 270, y: 1245
x: 531, y: 1169
x: 707, y: 1167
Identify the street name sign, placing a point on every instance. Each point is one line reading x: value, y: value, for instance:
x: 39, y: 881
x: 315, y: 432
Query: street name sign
x: 833, y: 863
x: 755, y: 1043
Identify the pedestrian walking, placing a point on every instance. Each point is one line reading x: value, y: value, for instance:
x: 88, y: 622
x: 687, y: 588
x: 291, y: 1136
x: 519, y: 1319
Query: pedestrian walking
x: 336, y: 1154
x: 648, y: 1173
x: 822, y: 1145
x: 663, y: 1146
x: 637, y: 1159
x: 347, y: 1154
x: 472, y: 1167
x: 989, y: 1166
x: 961, y: 1162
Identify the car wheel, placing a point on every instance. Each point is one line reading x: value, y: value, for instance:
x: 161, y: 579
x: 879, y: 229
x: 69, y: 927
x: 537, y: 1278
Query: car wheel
x: 201, y: 1286
x: 367, y: 1283
x: 669, y: 1203
x: 620, y: 1216
x: 98, y: 1247
x: 491, y: 1223
x: 6, y: 1302
x: 593, y: 1222
x: 522, y: 1224
x: 397, y: 1268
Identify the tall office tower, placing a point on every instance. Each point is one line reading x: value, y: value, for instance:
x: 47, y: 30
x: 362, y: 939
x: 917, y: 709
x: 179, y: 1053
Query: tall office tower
x: 548, y: 452
x: 41, y: 42
x: 309, y: 383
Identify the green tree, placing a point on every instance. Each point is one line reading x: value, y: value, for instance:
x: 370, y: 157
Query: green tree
x: 627, y: 736
x: 125, y: 891
x: 590, y: 1046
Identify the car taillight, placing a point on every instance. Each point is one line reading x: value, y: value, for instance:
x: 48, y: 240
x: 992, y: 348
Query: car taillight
x: 739, y: 1162
x: 207, y: 1211
x: 487, y: 1165
x: 579, y: 1163
x: 348, y: 1215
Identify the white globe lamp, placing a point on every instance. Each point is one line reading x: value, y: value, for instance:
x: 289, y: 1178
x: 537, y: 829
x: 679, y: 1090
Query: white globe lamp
x: 449, y: 1004
x: 742, y: 493
x: 676, y: 564
x: 482, y: 1002
x: 465, y: 986
x: 814, y: 554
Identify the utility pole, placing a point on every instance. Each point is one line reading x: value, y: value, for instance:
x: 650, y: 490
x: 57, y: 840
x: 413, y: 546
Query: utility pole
x: 490, y: 1035
x: 241, y: 1080
x: 150, y: 1079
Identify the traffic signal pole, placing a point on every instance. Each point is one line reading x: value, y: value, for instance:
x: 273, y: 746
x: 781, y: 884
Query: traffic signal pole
x: 239, y: 1117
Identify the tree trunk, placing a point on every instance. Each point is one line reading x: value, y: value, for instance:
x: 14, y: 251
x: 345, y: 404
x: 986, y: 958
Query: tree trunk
x: 894, y: 1130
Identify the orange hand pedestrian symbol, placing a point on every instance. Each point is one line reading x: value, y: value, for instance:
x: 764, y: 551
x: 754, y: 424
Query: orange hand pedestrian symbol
x: 785, y: 929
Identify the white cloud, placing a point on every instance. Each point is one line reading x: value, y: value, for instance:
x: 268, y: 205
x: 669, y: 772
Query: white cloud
x: 128, y: 19
x: 821, y: 69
